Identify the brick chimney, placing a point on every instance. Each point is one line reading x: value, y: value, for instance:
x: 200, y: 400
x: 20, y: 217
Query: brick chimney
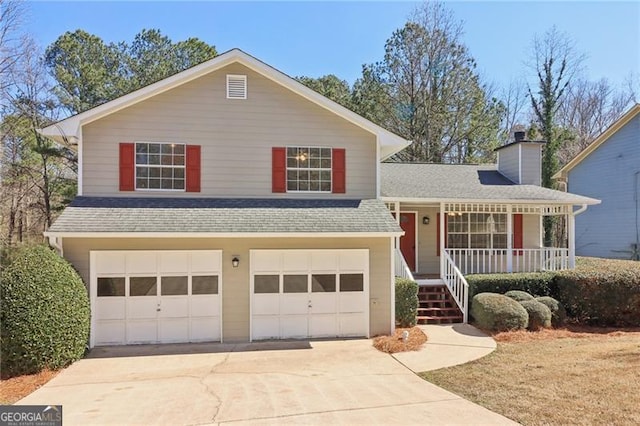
x: 521, y: 160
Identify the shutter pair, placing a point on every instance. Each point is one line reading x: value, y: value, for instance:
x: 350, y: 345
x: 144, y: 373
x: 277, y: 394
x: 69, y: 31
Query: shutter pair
x: 128, y: 167
x: 517, y: 233
x: 279, y: 170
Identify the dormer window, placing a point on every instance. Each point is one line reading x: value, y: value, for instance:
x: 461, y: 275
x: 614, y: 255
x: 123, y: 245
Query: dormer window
x: 160, y: 166
x: 236, y: 86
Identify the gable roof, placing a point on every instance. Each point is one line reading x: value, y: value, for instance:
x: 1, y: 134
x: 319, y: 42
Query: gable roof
x: 224, y: 217
x: 389, y: 142
x: 611, y: 130
x: 469, y: 183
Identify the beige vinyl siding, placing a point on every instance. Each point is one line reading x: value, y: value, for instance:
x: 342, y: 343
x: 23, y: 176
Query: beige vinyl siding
x: 508, y: 162
x: 531, y: 164
x: 235, y: 281
x: 236, y: 137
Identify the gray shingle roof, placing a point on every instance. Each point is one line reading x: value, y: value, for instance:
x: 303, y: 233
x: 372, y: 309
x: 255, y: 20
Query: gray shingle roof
x: 206, y: 215
x: 444, y: 182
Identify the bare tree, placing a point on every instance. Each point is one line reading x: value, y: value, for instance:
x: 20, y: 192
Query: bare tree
x: 11, y: 39
x: 514, y: 100
x: 589, y: 107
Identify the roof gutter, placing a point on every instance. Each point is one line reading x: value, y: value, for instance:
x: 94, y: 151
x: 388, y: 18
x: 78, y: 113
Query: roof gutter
x: 581, y: 201
x: 56, y: 234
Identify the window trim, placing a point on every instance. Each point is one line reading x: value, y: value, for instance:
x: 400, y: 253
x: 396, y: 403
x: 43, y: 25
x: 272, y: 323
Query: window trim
x: 469, y: 233
x: 135, y: 167
x: 320, y: 169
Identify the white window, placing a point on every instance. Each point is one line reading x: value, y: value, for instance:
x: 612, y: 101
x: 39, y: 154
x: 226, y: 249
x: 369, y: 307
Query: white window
x: 160, y: 166
x: 236, y: 86
x: 477, y: 230
x: 308, y: 169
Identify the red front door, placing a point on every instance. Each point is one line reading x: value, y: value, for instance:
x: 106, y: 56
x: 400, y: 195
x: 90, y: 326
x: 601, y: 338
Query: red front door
x: 408, y: 240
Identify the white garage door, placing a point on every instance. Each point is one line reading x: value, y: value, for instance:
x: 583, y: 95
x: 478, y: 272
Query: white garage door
x: 155, y: 296
x: 309, y: 293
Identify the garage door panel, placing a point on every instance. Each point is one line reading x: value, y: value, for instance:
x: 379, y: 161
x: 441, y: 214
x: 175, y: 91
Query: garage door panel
x: 295, y: 261
x: 142, y: 308
x: 351, y: 302
x: 110, y: 308
x: 266, y: 327
x: 353, y: 260
x: 323, y: 303
x: 173, y: 262
x: 294, y: 304
x: 353, y: 324
x: 323, y: 325
x: 142, y: 331
x: 110, y: 332
x: 205, y: 306
x: 294, y: 326
x: 142, y: 262
x: 172, y: 330
x: 205, y: 329
x: 174, y: 307
x: 266, y: 304
x: 110, y: 263
x: 206, y: 262
x: 266, y: 261
x: 324, y: 261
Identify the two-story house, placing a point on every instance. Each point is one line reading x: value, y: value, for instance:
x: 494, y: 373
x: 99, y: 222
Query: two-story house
x: 229, y: 202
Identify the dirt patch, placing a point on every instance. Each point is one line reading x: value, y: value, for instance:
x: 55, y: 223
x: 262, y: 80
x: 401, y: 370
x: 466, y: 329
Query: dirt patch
x: 570, y: 332
x: 395, y: 343
x: 555, y: 377
x: 16, y: 388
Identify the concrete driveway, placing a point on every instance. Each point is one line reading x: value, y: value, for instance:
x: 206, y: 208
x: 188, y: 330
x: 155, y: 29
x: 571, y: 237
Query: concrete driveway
x: 319, y: 382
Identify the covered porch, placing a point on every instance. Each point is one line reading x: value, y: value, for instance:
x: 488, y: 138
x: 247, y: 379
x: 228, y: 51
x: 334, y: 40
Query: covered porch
x: 480, y: 238
x: 444, y: 242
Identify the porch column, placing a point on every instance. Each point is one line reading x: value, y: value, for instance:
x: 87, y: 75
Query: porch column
x: 509, y: 238
x: 571, y: 237
x: 443, y: 232
x: 396, y: 209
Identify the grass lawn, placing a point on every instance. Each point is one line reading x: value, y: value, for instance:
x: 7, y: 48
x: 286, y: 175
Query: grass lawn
x: 555, y: 377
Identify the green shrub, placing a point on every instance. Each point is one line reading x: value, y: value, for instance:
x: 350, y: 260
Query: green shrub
x: 535, y: 283
x: 497, y: 312
x: 519, y: 295
x: 406, y: 302
x: 601, y: 292
x: 539, y: 314
x: 44, y: 316
x: 558, y: 314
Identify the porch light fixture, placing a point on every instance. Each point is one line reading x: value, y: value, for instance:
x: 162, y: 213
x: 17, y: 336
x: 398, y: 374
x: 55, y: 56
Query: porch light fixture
x: 235, y: 261
x: 425, y: 220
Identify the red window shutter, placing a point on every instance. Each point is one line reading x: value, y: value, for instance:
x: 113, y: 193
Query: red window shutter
x: 278, y: 170
x: 192, y: 162
x: 438, y: 233
x: 517, y: 233
x: 127, y: 166
x: 339, y: 181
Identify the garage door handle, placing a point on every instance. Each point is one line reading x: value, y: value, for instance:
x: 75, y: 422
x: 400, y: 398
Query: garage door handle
x: 158, y: 310
x: 309, y: 306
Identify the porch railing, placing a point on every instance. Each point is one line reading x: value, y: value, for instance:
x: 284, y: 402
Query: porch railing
x: 457, y: 284
x: 489, y: 261
x: 401, y: 268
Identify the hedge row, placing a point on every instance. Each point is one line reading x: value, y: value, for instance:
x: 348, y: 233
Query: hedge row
x: 598, y: 292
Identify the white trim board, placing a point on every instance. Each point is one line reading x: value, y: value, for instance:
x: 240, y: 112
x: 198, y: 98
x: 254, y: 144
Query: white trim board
x: 222, y: 234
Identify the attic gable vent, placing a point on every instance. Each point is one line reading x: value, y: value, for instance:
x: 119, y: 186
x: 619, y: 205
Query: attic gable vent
x: 236, y: 86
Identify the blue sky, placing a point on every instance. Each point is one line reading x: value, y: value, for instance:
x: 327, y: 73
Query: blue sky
x: 318, y: 38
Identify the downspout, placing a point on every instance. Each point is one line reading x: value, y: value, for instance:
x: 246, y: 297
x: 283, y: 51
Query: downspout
x: 56, y: 243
